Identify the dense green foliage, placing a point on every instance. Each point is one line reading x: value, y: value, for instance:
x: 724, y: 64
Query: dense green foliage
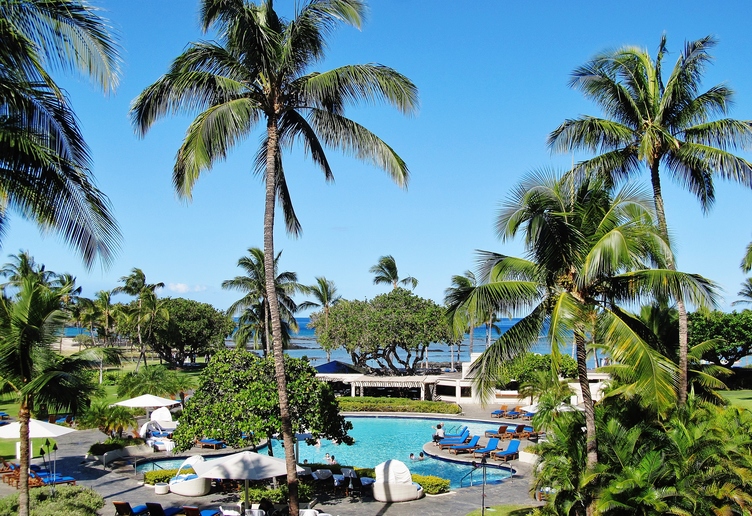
x: 369, y: 404
x: 432, y: 485
x: 377, y: 330
x: 164, y: 475
x: 523, y: 368
x: 68, y: 500
x: 237, y: 396
x: 735, y: 330
x: 193, y: 329
x: 156, y: 380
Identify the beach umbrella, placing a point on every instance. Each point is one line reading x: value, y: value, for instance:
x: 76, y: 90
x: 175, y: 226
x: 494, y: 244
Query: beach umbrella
x: 244, y: 465
x: 37, y: 429
x: 147, y: 401
x: 561, y: 407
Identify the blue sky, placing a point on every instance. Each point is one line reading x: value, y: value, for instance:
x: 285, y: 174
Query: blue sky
x: 492, y: 78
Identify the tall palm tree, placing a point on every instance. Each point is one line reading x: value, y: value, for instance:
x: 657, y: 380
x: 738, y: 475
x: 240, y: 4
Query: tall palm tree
x: 589, y: 250
x: 650, y: 124
x: 258, y: 73
x: 745, y: 293
x: 325, y: 293
x: 135, y: 285
x: 21, y: 266
x: 385, y: 271
x: 253, y: 307
x: 466, y: 319
x: 29, y: 323
x: 45, y: 165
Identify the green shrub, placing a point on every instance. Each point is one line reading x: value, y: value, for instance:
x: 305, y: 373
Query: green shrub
x: 432, y: 485
x: 68, y: 500
x: 277, y: 495
x: 370, y: 404
x: 111, y: 378
x: 163, y: 475
x: 102, y: 448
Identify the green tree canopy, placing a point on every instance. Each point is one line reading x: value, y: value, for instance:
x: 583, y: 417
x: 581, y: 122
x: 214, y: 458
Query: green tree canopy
x: 237, y: 401
x: 193, y: 328
x: 393, y: 329
x: 735, y: 330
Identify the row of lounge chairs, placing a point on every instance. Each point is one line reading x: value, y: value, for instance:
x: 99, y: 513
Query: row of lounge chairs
x: 515, y: 413
x: 156, y: 509
x: 466, y: 443
x: 515, y: 432
x: 38, y: 477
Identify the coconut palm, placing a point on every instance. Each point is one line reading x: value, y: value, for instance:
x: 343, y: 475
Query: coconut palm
x: 385, y: 271
x: 325, y: 295
x: 45, y: 165
x: 135, y: 285
x: 23, y: 265
x: 258, y: 73
x: 745, y: 293
x: 463, y: 320
x: 253, y: 307
x: 588, y: 250
x: 29, y: 323
x: 651, y: 124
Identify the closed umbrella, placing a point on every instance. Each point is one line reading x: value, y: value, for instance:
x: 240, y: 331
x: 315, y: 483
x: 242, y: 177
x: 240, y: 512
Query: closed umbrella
x: 243, y: 466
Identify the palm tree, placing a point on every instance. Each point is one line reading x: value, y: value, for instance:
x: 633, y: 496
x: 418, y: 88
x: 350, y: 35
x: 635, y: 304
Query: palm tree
x: 463, y: 320
x: 589, y: 250
x: 325, y: 293
x: 258, y: 72
x: 23, y: 265
x: 29, y: 323
x: 652, y: 124
x: 153, y: 379
x: 745, y: 293
x: 45, y: 165
x: 253, y: 307
x: 386, y: 272
x: 135, y: 285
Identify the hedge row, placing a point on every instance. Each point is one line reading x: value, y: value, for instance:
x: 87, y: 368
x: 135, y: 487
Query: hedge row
x: 163, y: 475
x: 370, y: 404
x: 431, y: 484
x: 68, y: 500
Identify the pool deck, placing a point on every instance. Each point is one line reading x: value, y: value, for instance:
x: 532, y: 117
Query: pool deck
x: 120, y: 482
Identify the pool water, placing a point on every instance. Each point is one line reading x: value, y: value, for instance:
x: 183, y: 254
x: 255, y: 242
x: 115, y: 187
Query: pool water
x: 378, y: 439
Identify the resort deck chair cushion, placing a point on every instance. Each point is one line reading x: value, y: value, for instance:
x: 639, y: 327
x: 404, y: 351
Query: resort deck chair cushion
x: 491, y: 446
x: 461, y: 448
x: 48, y: 479
x: 500, y: 412
x: 512, y: 452
x: 454, y: 441
x: 458, y: 434
x: 190, y: 510
x: 515, y: 413
x: 125, y: 509
x: 496, y: 433
x: 210, y: 443
x: 156, y: 509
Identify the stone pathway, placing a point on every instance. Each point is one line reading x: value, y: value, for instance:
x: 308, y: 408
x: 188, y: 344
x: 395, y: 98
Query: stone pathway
x: 120, y: 482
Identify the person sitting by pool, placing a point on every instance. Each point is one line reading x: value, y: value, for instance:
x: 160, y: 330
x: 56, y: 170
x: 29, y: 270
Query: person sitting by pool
x: 439, y: 434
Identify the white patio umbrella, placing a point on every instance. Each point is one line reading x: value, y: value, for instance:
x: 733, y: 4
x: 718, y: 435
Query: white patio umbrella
x: 562, y: 407
x: 244, y: 465
x: 147, y: 401
x: 37, y: 429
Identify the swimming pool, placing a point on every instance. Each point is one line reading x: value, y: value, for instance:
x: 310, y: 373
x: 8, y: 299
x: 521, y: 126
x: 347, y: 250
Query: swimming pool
x: 378, y: 439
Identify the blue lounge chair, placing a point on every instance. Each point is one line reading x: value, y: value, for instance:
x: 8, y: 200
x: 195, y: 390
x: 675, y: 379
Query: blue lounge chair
x: 491, y: 446
x: 125, y: 509
x: 49, y: 479
x: 492, y: 432
x: 462, y: 448
x: 156, y: 509
x: 446, y: 443
x: 514, y: 413
x: 500, y: 412
x: 190, y: 510
x: 512, y: 452
x: 458, y: 434
x: 211, y: 443
x: 4, y: 415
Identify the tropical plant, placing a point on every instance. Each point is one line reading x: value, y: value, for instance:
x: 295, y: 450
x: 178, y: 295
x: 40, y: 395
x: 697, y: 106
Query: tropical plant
x: 153, y: 379
x: 29, y: 369
x: 385, y: 271
x: 745, y: 293
x: 109, y: 419
x: 650, y: 124
x: 257, y: 72
x: 589, y: 250
x: 463, y: 321
x: 45, y: 165
x: 325, y: 294
x: 147, y: 306
x: 253, y: 307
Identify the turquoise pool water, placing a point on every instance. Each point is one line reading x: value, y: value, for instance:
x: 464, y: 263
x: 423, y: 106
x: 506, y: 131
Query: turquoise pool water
x: 382, y: 438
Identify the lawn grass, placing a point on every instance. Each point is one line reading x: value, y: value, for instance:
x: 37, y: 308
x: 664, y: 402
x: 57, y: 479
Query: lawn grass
x: 741, y: 399
x: 505, y: 510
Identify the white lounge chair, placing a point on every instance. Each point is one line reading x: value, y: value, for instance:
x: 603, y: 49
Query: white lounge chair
x: 394, y: 483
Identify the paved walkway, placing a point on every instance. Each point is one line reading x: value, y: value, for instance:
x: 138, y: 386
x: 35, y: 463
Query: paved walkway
x: 120, y: 482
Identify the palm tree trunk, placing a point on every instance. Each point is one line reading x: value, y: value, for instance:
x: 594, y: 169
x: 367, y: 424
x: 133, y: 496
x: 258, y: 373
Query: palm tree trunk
x: 271, y: 294
x: 24, y: 414
x: 591, y: 438
x: 472, y: 330
x: 681, y: 390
